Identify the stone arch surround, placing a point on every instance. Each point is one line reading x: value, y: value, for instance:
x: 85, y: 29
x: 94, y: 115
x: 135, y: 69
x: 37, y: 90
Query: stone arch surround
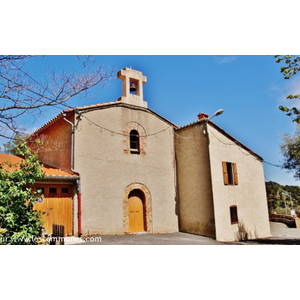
x: 148, y: 206
x: 126, y: 131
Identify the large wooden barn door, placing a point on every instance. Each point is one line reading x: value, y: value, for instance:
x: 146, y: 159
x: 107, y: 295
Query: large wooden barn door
x: 57, y: 205
x: 136, y: 214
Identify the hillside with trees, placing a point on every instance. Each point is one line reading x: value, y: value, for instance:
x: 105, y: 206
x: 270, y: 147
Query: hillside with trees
x: 278, y: 195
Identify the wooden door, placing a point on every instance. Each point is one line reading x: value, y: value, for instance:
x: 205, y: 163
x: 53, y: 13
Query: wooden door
x: 136, y: 214
x: 57, y: 205
x: 41, y: 205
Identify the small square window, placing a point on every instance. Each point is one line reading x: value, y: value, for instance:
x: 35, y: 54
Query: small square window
x: 233, y: 214
x: 65, y: 190
x: 53, y: 190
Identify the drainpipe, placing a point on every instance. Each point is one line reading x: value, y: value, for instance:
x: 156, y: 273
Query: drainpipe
x: 78, y: 183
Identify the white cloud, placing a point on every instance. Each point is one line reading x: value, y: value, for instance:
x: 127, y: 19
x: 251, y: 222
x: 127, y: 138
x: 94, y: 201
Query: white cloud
x: 288, y: 87
x: 221, y: 59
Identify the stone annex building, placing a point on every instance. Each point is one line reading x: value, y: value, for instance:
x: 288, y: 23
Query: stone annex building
x: 120, y: 168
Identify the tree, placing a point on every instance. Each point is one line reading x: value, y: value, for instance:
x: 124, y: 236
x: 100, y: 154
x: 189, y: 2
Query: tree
x: 291, y: 68
x: 11, y: 145
x: 290, y: 149
x: 19, y: 222
x: 275, y: 196
x: 21, y: 94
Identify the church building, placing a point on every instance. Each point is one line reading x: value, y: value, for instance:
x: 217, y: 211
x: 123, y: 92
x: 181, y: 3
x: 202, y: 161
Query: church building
x: 123, y: 169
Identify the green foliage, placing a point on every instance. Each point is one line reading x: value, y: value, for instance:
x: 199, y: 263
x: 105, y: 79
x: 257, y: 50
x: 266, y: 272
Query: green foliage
x: 20, y: 223
x: 12, y: 144
x: 291, y: 68
x: 290, y: 148
x: 276, y: 198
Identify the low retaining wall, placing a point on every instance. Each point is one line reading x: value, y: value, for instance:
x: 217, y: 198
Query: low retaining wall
x: 288, y: 220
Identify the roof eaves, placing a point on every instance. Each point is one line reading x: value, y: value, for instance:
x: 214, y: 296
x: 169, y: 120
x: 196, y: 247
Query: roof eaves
x: 191, y: 124
x: 223, y: 132
x: 70, y: 110
x: 43, y: 127
x: 119, y: 103
x: 60, y: 177
x: 235, y: 140
x: 93, y: 107
x: 166, y: 120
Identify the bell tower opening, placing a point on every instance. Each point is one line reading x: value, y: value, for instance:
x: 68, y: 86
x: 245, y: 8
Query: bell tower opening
x: 132, y: 87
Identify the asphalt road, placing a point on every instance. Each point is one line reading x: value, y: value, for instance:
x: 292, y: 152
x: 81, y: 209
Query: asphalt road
x: 178, y: 238
x: 280, y: 234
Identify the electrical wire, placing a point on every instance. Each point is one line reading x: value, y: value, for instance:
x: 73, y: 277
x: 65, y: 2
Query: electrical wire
x: 231, y: 144
x: 120, y: 133
x: 272, y: 164
x: 182, y: 137
x: 238, y: 144
x: 163, y: 130
x: 123, y: 134
x: 274, y: 183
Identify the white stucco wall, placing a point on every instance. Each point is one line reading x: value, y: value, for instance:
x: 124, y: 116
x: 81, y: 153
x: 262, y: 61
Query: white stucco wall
x: 249, y: 195
x: 106, y: 170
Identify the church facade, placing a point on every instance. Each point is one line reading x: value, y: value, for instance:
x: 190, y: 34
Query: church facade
x: 138, y: 172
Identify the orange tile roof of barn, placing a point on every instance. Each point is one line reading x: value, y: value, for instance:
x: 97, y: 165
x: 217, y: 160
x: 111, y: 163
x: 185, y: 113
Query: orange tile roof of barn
x: 11, y: 162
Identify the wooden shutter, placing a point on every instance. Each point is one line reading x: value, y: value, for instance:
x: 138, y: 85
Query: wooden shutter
x: 225, y: 172
x: 235, y: 174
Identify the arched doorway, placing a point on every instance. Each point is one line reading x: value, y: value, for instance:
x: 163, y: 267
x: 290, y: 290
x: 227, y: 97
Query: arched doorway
x: 136, y: 211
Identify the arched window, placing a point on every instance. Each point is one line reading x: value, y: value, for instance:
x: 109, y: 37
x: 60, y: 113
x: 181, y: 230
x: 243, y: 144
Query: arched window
x: 135, y: 138
x: 134, y: 141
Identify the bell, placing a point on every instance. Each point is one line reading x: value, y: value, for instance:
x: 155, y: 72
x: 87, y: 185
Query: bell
x: 132, y: 87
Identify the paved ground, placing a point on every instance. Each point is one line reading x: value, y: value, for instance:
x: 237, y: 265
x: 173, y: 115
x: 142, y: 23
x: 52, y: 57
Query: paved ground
x: 281, y: 234
x: 178, y: 238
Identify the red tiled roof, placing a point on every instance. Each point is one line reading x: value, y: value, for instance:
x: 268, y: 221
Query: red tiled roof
x: 92, y: 106
x: 11, y: 162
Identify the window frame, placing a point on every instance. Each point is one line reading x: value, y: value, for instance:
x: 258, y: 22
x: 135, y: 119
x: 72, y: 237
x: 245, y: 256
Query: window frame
x: 230, y: 175
x: 50, y: 194
x: 136, y: 136
x: 59, y: 190
x: 142, y: 138
x: 234, y: 219
x: 65, y: 194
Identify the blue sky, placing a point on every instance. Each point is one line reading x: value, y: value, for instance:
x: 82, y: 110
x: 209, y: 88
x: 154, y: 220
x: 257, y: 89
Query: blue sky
x: 248, y: 87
